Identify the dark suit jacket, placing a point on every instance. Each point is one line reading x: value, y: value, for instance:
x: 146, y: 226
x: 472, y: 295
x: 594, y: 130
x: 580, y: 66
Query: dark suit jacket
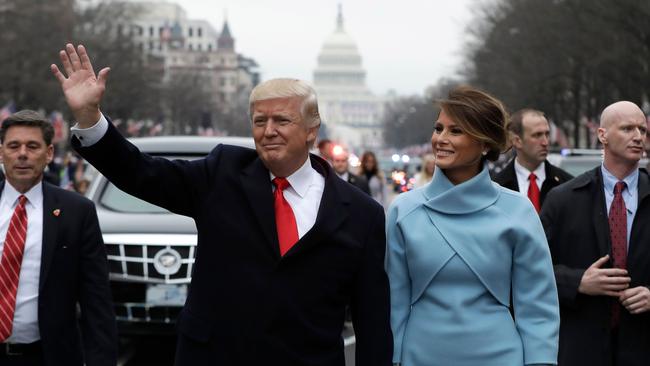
x: 576, y: 225
x: 246, y: 304
x: 359, y: 182
x: 74, y: 270
x: 554, y: 177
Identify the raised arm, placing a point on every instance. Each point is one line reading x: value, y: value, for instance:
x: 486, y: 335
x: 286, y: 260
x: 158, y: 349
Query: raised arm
x: 83, y: 89
x: 178, y: 186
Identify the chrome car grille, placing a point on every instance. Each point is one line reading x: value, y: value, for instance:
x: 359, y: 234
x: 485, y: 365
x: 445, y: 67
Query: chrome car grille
x: 151, y: 258
x: 130, y: 312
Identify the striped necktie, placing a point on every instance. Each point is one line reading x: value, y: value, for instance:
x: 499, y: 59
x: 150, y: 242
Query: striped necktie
x: 12, y: 258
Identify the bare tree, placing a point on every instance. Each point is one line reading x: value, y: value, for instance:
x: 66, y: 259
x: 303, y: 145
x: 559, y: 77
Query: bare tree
x: 32, y: 33
x: 569, y: 58
x: 408, y: 121
x: 188, y: 102
x: 135, y: 81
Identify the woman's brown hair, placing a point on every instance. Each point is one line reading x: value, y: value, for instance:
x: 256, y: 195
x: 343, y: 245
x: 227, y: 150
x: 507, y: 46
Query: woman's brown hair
x: 480, y: 115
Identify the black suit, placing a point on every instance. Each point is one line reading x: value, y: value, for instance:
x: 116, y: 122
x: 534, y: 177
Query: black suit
x: 554, y: 177
x: 576, y: 223
x: 359, y: 182
x: 74, y: 270
x: 247, y: 305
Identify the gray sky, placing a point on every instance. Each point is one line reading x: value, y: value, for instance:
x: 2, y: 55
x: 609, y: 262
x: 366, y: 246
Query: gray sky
x: 406, y: 45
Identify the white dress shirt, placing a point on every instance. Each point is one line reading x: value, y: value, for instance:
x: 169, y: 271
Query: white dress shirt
x: 523, y: 174
x: 303, y: 196
x: 90, y: 136
x: 25, y: 325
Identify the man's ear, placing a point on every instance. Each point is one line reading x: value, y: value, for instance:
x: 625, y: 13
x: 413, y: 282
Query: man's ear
x: 50, y: 153
x: 516, y: 140
x: 312, y: 134
x: 601, y: 135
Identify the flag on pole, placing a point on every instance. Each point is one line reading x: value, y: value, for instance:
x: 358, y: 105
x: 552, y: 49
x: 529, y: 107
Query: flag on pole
x: 7, y: 110
x: 56, y: 118
x: 557, y: 135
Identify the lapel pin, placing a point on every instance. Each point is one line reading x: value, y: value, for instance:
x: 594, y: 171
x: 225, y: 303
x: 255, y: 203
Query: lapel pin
x: 556, y: 178
x: 56, y: 212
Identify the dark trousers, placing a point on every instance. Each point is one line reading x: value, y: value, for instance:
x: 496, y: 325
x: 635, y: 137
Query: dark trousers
x: 31, y: 360
x: 614, y: 342
x: 28, y: 355
x: 21, y: 361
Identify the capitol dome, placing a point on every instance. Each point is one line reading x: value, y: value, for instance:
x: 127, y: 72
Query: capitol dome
x: 340, y: 42
x: 347, y: 107
x: 339, y: 62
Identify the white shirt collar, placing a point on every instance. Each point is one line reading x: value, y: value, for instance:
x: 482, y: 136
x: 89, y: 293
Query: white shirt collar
x: 301, y: 179
x: 522, y: 171
x: 34, y: 195
x: 609, y: 181
x: 344, y: 176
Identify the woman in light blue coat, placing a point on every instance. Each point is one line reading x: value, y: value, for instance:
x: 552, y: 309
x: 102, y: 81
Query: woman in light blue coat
x: 460, y: 248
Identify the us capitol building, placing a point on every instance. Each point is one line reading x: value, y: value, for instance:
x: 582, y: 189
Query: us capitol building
x: 350, y: 111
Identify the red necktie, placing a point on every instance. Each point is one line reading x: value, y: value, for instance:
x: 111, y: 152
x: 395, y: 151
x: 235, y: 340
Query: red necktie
x: 618, y: 234
x: 533, y: 191
x: 285, y: 221
x: 12, y: 257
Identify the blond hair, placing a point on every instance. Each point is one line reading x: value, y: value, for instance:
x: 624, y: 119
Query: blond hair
x: 288, y: 88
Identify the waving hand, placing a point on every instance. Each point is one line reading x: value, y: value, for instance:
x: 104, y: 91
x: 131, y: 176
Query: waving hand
x: 83, y: 89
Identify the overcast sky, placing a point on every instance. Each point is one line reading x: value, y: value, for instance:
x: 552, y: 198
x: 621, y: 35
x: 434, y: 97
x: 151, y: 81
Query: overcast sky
x: 406, y: 45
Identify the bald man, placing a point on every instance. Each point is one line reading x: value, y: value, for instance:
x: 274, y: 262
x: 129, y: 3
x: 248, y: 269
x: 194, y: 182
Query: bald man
x: 598, y: 232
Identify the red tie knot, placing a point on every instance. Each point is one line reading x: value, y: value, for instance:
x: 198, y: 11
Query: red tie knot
x: 281, y: 183
x: 532, y: 177
x: 619, y: 187
x: 22, y: 200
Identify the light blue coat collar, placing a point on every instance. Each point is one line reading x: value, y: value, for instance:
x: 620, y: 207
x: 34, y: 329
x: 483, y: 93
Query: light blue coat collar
x: 473, y: 195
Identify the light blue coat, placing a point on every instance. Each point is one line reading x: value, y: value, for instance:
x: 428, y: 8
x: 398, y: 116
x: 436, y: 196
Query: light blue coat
x: 453, y: 254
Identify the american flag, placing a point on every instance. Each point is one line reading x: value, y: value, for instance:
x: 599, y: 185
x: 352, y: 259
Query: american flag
x: 7, y: 110
x: 56, y: 118
x: 557, y: 135
x: 166, y: 33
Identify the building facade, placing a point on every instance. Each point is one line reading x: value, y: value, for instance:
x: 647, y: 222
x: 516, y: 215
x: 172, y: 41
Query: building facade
x: 187, y: 47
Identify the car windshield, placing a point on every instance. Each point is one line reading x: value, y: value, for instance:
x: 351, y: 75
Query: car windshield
x: 115, y: 199
x: 577, y: 167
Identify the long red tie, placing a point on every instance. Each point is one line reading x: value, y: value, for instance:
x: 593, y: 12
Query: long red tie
x: 285, y: 221
x: 12, y: 257
x: 618, y: 234
x: 533, y: 191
